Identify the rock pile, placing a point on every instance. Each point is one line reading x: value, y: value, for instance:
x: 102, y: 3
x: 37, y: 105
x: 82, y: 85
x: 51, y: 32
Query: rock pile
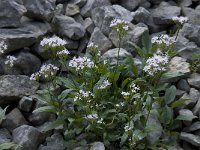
x: 23, y: 23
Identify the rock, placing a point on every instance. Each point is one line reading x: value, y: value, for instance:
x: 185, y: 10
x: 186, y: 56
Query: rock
x: 183, y: 85
x: 102, y: 16
x: 111, y: 55
x: 194, y: 80
x: 185, y: 3
x: 92, y: 4
x: 72, y: 10
x: 26, y: 104
x: 187, y: 146
x: 89, y: 25
x: 141, y: 15
x: 193, y: 127
x: 134, y: 35
x: 101, y: 40
x: 13, y: 120
x: 194, y: 15
x: 78, y: 18
x: 155, y: 2
x: 24, y: 36
x: 68, y: 27
x: 11, y: 13
x: 97, y: 146
x: 179, y: 93
x: 5, y: 136
x: 14, y: 87
x: 79, y: 3
x: 42, y: 52
x: 55, y: 142
x: 130, y: 4
x: 190, y: 138
x: 83, y: 44
x: 178, y: 68
x: 145, y: 4
x: 27, y: 137
x: 196, y: 109
x: 40, y: 9
x: 187, y: 113
x: 163, y: 14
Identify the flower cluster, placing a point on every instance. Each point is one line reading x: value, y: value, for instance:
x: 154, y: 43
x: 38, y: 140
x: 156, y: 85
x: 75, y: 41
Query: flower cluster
x: 92, y: 45
x: 10, y: 60
x: 63, y: 54
x: 53, y: 42
x: 156, y: 64
x: 83, y: 94
x: 125, y: 94
x: 180, y: 20
x: 48, y: 71
x: 134, y: 88
x: 128, y: 128
x: 163, y: 39
x: 94, y: 116
x: 81, y: 63
x: 104, y: 85
x: 3, y: 47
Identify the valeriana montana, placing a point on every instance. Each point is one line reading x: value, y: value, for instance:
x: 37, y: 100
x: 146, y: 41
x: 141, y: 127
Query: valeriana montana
x: 53, y: 42
x: 10, y: 60
x: 3, y: 47
x: 63, y: 54
x: 104, y: 85
x: 180, y: 20
x: 163, y: 39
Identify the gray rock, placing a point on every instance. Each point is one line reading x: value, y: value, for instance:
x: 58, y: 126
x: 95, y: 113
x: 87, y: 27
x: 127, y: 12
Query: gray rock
x: 190, y: 138
x: 194, y: 80
x: 130, y: 4
x: 145, y: 4
x: 24, y: 36
x: 68, y: 27
x: 83, y: 43
x: 14, y: 87
x: 27, y: 137
x: 80, y: 3
x: 185, y: 3
x: 92, y: 4
x: 13, y: 120
x: 102, y: 16
x: 187, y: 146
x: 97, y: 146
x: 72, y: 10
x: 40, y: 9
x: 134, y: 35
x: 101, y: 40
x: 183, y: 85
x: 5, y: 136
x: 78, y: 18
x: 187, y: 113
x: 155, y: 2
x: 196, y: 109
x: 179, y: 93
x: 111, y: 55
x: 193, y: 127
x: 141, y: 15
x: 163, y: 14
x: 42, y: 52
x: 26, y: 104
x: 89, y: 25
x: 11, y: 13
x: 194, y: 15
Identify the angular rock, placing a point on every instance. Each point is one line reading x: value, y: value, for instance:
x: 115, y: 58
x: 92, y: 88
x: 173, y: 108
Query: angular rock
x: 80, y: 3
x: 141, y: 15
x: 5, y: 136
x: 89, y: 25
x: 40, y: 9
x: 185, y: 3
x: 72, y: 10
x: 27, y: 137
x: 193, y: 127
x: 68, y: 27
x: 130, y: 4
x: 101, y: 40
x: 97, y: 146
x: 92, y: 4
x: 26, y: 104
x: 183, y: 85
x: 11, y: 13
x: 24, y: 36
x: 14, y: 87
x: 187, y: 113
x: 14, y: 119
x: 196, y: 109
x: 194, y: 80
x: 163, y: 14
x: 190, y: 138
x: 194, y: 16
x: 102, y: 16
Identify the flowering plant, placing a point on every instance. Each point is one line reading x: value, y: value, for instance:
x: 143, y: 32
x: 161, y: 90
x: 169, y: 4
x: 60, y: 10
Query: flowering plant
x: 114, y: 104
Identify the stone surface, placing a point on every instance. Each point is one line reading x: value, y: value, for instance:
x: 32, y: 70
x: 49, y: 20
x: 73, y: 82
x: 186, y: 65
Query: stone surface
x: 101, y: 40
x: 26, y: 104
x: 194, y: 80
x: 164, y: 12
x: 68, y: 27
x: 24, y: 36
x: 14, y: 119
x: 79, y: 3
x: 193, y: 127
x: 183, y: 85
x: 11, y: 13
x: 40, y: 9
x: 89, y: 25
x: 190, y: 138
x: 97, y: 146
x: 102, y: 16
x: 5, y: 135
x: 92, y: 4
x: 130, y: 4
x: 141, y: 15
x: 72, y: 10
x: 14, y: 87
x: 27, y: 137
x: 196, y: 109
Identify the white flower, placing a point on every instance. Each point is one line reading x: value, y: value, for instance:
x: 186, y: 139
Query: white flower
x: 81, y: 63
x: 92, y: 116
x: 180, y: 19
x: 48, y: 70
x: 53, y: 42
x: 3, y: 47
x: 83, y: 94
x: 100, y: 121
x: 116, y: 22
x: 92, y: 45
x: 134, y: 88
x: 128, y: 128
x: 104, y: 85
x: 35, y: 76
x: 125, y: 94
x: 10, y: 60
x: 163, y: 38
x: 63, y: 52
x: 156, y: 63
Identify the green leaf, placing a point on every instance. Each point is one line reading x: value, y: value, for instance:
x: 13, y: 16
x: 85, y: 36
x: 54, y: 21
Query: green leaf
x: 53, y: 125
x: 170, y: 94
x: 167, y: 115
x: 64, y: 94
x: 68, y: 83
x: 178, y: 103
x: 186, y: 117
x: 125, y: 82
x: 146, y: 42
x: 43, y: 96
x: 2, y: 114
x: 140, y: 51
x: 7, y: 145
x: 123, y: 138
x: 45, y: 109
